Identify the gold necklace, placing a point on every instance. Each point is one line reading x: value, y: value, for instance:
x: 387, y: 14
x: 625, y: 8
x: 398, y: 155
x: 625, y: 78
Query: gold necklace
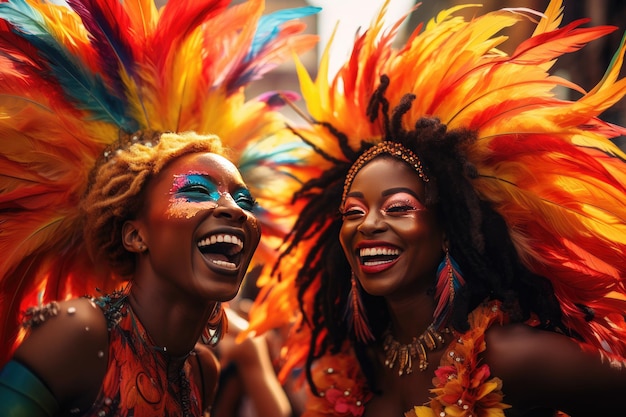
x: 395, y: 351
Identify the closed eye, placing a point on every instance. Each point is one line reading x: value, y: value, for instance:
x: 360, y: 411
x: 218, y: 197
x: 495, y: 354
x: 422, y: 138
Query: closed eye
x: 245, y: 200
x: 400, y: 209
x: 194, y: 188
x: 197, y: 192
x: 401, y: 204
x: 352, y: 213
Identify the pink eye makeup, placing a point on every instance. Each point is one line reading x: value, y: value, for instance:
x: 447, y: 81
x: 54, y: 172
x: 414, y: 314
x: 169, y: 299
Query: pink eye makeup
x: 400, y: 204
x: 394, y: 205
x: 194, y: 187
x: 353, y: 208
x: 190, y: 194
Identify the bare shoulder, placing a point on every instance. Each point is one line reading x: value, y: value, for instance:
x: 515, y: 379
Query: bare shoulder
x: 544, y: 369
x: 208, y: 360
x: 513, y: 346
x: 68, y: 348
x: 209, y: 372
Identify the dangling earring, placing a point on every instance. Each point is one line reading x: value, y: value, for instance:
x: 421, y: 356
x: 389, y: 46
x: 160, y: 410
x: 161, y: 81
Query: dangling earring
x: 216, y: 327
x: 449, y: 280
x: 355, y: 313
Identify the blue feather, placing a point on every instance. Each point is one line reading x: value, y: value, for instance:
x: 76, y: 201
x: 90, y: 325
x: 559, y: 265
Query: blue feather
x: 269, y: 26
x: 276, y: 156
x: 268, y: 29
x: 289, y: 153
x: 86, y: 90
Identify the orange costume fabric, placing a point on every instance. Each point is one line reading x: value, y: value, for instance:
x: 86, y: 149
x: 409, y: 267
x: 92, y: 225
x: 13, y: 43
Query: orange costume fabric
x: 463, y: 386
x: 136, y: 382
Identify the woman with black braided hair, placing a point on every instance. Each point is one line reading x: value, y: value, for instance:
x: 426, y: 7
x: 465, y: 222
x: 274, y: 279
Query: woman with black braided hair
x: 461, y: 253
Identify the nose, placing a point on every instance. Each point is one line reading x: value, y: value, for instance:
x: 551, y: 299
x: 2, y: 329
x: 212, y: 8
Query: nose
x: 373, y: 222
x: 228, y: 208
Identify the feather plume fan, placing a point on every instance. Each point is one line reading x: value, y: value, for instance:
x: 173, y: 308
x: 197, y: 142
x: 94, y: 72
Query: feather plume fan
x: 72, y: 79
x: 546, y: 164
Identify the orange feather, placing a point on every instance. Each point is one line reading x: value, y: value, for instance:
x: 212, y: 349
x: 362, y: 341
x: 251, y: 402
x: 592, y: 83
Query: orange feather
x: 547, y: 164
x: 73, y: 78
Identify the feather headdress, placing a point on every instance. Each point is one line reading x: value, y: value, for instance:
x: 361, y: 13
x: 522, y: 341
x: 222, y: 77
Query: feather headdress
x: 547, y: 165
x: 74, y: 79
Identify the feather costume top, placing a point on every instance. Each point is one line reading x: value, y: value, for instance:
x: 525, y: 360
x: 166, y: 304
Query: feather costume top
x: 546, y: 164
x: 74, y: 79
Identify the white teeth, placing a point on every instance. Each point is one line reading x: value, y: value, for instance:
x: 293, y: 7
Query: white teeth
x: 378, y: 251
x: 221, y: 238
x: 224, y: 264
x: 373, y: 263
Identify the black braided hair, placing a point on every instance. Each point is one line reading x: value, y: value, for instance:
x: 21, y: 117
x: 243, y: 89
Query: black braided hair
x: 478, y: 238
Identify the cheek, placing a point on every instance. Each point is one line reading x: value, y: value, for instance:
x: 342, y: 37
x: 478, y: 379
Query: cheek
x: 255, y: 228
x: 420, y: 228
x: 180, y: 209
x: 345, y: 235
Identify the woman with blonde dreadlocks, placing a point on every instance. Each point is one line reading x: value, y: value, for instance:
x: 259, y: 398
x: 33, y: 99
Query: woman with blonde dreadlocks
x: 122, y: 127
x: 167, y: 204
x: 462, y: 253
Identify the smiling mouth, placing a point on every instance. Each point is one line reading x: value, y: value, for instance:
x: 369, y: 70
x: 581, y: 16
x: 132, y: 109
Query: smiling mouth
x: 378, y: 255
x: 223, y: 250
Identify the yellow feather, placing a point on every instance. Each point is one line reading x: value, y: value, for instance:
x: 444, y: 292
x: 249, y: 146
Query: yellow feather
x: 614, y: 69
x: 552, y: 19
x: 67, y: 27
x: 546, y: 164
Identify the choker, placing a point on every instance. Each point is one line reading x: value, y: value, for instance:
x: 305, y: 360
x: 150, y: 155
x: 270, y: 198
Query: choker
x: 403, y: 355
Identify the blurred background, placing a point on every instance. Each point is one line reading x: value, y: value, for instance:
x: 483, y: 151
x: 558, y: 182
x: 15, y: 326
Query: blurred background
x: 585, y: 67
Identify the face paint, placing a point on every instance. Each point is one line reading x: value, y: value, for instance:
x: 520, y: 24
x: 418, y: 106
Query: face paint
x: 392, y: 241
x: 196, y: 197
x: 196, y: 191
x: 398, y: 203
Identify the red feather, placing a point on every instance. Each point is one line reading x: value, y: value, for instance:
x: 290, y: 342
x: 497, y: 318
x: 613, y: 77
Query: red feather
x: 178, y: 19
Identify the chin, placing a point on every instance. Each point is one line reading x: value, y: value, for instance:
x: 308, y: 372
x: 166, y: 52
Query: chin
x: 377, y: 289
x: 225, y: 295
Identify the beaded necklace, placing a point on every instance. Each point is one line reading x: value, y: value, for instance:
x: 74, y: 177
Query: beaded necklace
x: 403, y: 354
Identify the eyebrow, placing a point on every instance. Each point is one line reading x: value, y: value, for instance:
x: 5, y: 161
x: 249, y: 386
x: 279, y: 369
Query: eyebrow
x: 400, y: 190
x: 355, y: 194
x: 387, y: 193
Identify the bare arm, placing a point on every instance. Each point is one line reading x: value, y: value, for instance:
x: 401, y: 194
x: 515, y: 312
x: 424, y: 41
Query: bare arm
x: 255, y: 377
x: 68, y: 353
x: 541, y: 369
x: 208, y: 376
x: 259, y: 378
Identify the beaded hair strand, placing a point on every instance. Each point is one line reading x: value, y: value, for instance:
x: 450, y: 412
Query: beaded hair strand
x: 521, y: 177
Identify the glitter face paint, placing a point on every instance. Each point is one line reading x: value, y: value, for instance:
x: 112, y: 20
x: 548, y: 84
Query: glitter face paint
x: 391, y: 240
x: 197, y: 191
x: 398, y: 203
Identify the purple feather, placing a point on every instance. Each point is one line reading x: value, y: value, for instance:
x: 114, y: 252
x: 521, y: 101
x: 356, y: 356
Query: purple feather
x: 112, y: 49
